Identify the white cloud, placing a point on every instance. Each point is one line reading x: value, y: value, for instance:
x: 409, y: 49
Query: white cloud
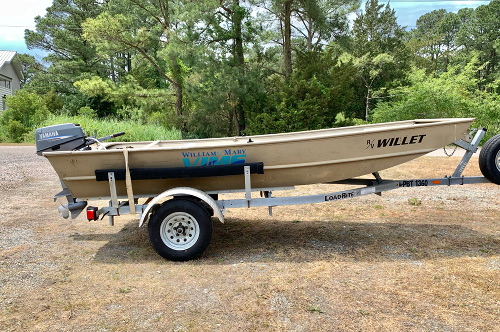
x: 18, y: 15
x: 15, y: 17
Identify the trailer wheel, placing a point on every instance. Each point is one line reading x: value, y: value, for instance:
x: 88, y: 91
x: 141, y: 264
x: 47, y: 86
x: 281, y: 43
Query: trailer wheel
x: 180, y: 230
x: 489, y: 159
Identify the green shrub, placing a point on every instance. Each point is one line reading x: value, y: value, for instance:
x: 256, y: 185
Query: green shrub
x: 425, y: 98
x: 25, y: 111
x: 447, y: 96
x: 13, y: 131
x: 134, y: 131
x: 87, y: 112
x: 487, y: 113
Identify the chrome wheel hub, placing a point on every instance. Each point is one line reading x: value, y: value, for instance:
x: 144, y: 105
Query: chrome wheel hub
x: 179, y: 231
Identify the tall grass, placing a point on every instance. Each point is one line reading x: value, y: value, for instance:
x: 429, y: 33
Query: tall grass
x: 134, y: 131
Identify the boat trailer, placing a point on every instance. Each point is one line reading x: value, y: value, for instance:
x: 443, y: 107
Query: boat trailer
x: 180, y: 228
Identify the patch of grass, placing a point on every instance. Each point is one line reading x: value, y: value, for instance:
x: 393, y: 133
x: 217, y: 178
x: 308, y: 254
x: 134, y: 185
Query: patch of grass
x: 363, y: 313
x: 313, y: 308
x: 485, y: 250
x: 134, y: 131
x: 125, y: 290
x: 414, y: 201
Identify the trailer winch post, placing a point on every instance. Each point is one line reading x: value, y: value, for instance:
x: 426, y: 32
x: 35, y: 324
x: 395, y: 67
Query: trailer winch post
x: 113, y: 203
x: 470, y: 148
x: 248, y: 185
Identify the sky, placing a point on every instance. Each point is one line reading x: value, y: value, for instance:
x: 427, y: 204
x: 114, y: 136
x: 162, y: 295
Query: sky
x: 18, y: 15
x: 15, y: 17
x: 408, y: 11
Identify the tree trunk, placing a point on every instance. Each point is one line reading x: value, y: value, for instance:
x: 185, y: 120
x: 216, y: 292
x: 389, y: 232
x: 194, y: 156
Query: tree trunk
x: 367, y: 105
x: 238, y: 38
x: 113, y: 72
x: 236, y: 13
x: 178, y: 105
x: 287, y: 37
x: 178, y: 99
x: 129, y: 62
x: 239, y: 60
x: 177, y: 82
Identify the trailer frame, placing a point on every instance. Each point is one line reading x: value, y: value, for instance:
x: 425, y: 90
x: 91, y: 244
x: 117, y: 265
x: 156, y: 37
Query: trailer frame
x: 210, y: 202
x: 370, y: 186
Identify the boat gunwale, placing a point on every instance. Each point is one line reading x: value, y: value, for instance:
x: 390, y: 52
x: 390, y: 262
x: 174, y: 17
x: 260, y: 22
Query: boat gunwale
x: 226, y: 142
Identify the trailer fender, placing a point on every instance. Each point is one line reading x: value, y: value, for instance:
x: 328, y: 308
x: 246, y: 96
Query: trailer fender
x: 184, y: 191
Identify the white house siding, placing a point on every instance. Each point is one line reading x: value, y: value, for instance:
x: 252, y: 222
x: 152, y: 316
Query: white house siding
x: 7, y: 70
x: 10, y: 72
x: 5, y: 91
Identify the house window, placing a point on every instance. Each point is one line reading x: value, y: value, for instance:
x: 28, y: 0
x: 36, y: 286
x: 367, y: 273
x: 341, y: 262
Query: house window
x: 5, y: 84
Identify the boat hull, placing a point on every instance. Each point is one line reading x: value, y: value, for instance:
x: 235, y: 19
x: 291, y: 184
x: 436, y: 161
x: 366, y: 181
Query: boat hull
x: 289, y: 159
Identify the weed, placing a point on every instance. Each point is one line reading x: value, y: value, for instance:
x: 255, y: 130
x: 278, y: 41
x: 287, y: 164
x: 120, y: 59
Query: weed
x: 363, y: 312
x: 313, y: 308
x: 414, y: 201
x: 125, y: 290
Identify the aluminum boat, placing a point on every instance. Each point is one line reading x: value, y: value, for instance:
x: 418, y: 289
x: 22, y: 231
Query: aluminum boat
x: 216, y: 165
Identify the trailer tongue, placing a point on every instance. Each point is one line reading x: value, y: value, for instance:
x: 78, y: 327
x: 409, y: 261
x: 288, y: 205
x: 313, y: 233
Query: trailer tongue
x: 180, y: 228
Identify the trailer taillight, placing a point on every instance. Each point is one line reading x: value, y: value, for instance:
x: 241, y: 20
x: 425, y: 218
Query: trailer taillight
x: 92, y: 213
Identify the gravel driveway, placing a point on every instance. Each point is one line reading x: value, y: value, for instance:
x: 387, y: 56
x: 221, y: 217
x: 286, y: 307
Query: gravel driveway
x: 367, y: 264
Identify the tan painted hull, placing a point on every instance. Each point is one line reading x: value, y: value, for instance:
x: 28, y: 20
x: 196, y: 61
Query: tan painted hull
x: 289, y: 159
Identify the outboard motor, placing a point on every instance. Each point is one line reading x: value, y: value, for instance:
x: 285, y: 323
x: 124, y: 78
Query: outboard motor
x: 66, y: 137
x: 63, y: 137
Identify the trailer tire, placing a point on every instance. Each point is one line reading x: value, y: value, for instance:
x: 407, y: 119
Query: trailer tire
x: 180, y: 230
x: 489, y: 159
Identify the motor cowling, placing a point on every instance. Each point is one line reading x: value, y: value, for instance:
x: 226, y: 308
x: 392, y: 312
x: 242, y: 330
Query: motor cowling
x: 62, y: 137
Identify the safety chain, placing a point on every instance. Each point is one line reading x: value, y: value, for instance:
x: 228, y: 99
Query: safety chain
x: 446, y: 152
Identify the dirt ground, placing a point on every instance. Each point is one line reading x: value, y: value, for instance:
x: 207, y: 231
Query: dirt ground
x: 425, y: 259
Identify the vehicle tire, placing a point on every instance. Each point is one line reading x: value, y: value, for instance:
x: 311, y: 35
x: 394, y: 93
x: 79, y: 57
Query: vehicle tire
x: 180, y: 230
x: 489, y: 159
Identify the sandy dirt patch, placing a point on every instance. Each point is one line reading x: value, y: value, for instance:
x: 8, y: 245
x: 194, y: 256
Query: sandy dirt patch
x: 424, y: 259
